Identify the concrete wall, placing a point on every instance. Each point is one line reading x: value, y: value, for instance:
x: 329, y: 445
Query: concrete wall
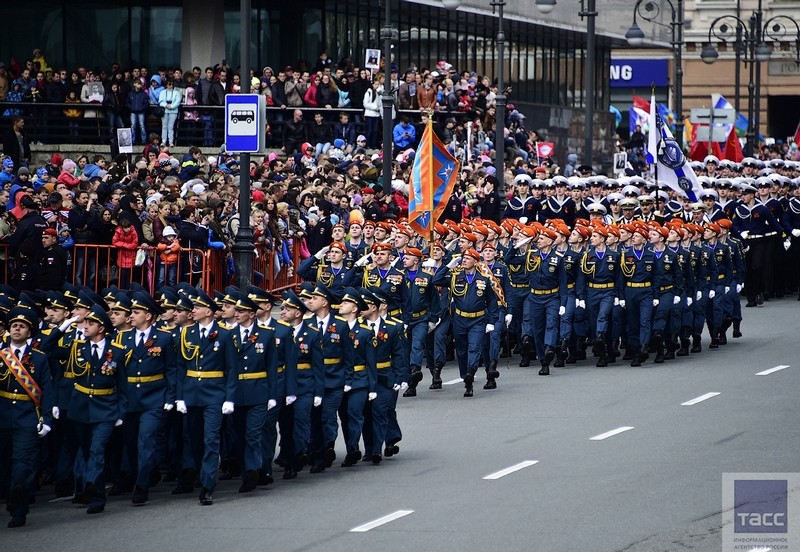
x: 203, y: 32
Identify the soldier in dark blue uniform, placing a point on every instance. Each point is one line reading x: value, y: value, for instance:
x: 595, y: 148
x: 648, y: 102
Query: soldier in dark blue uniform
x: 303, y: 391
x: 667, y: 290
x: 202, y: 391
x: 491, y: 344
x: 721, y: 280
x: 97, y: 403
x: 337, y: 355
x: 26, y: 402
x: 149, y: 371
x: 361, y: 382
x: 739, y: 273
x: 439, y: 323
x: 705, y: 267
x: 419, y: 297
x: 637, y: 264
x: 331, y: 273
x: 251, y: 386
x: 522, y: 206
x: 475, y: 307
x: 519, y: 289
x: 382, y: 274
x: 572, y: 319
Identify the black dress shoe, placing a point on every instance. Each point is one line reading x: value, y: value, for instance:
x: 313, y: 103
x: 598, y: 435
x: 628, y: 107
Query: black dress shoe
x: 602, y: 362
x: 416, y: 377
x: 329, y: 456
x: 468, y: 392
x: 16, y: 522
x: 525, y: 362
x: 351, y: 459
x: 289, y: 473
x: 300, y: 461
x: 205, y: 497
x: 549, y: 355
x: 317, y: 469
x: 16, y: 496
x: 250, y: 482
x: 545, y: 371
x: 391, y: 450
x: 410, y: 392
x: 469, y: 379
x: 264, y: 479
x: 95, y: 509
x: 490, y: 384
x: 139, y: 496
x: 435, y: 385
x: 376, y: 459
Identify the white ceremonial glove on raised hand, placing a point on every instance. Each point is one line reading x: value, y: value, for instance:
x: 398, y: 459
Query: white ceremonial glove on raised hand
x: 372, y: 396
x: 523, y: 220
x: 655, y: 302
x: 347, y: 388
x: 454, y: 262
x: 622, y: 303
x: 744, y: 234
x: 676, y: 299
x: 562, y: 311
x: 290, y: 399
x: 727, y: 290
x: 739, y: 288
x: 452, y: 245
x: 227, y: 407
x: 118, y: 423
x: 317, y: 401
x: 489, y: 328
x: 509, y: 318
x: 689, y: 301
x: 787, y: 243
x: 712, y: 294
x: 322, y: 252
x: 180, y: 406
x: 56, y: 412
x: 168, y: 407
x: 430, y: 263
x: 67, y: 323
x: 699, y: 295
x: 364, y: 260
x: 796, y: 232
x: 272, y: 403
x: 43, y: 430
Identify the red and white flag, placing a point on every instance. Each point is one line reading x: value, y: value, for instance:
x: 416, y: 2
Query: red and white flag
x: 797, y: 135
x: 545, y: 149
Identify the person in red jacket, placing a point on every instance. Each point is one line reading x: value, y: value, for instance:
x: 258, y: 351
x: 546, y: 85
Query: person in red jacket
x: 127, y: 242
x: 67, y: 175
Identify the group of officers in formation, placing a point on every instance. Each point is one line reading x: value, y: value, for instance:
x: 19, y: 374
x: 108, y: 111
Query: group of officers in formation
x: 124, y: 387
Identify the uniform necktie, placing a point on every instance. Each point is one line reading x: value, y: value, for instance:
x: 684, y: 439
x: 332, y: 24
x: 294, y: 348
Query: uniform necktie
x: 245, y: 335
x: 374, y: 326
x: 17, y: 353
x: 79, y: 334
x: 95, y: 353
x: 321, y: 325
x: 203, y: 333
x: 141, y: 339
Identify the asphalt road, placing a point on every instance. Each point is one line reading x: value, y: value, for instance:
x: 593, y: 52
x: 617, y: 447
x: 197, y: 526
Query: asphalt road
x: 655, y: 487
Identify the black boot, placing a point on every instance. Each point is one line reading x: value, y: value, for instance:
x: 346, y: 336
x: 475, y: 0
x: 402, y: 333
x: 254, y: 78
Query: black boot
x: 561, y: 354
x: 580, y: 353
x: 696, y: 346
x: 635, y: 355
x: 737, y: 329
x: 670, y: 348
x: 657, y: 345
x: 468, y: 383
x: 525, y: 361
x: 572, y: 357
x: 416, y: 377
x: 599, y: 345
x: 491, y: 371
x: 437, y: 377
x: 505, y: 346
x: 684, y: 350
x: 490, y: 382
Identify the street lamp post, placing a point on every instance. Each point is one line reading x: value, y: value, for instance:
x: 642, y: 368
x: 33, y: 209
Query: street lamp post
x: 649, y: 11
x: 387, y: 99
x: 750, y: 37
x: 588, y: 11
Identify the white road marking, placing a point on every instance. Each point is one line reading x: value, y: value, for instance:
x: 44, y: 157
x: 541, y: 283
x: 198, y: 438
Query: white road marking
x: 699, y: 399
x: 381, y: 521
x: 511, y: 469
x: 773, y: 370
x: 60, y: 499
x: 453, y: 382
x: 611, y: 433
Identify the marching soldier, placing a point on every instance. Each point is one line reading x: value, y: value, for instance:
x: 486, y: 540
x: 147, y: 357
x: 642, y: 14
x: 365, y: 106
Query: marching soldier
x: 439, y: 322
x: 637, y: 264
x: 419, y: 297
x: 26, y: 402
x: 491, y: 347
x: 667, y: 289
x: 149, y: 370
x: 518, y: 291
x: 332, y: 274
x: 382, y: 274
x: 202, y: 394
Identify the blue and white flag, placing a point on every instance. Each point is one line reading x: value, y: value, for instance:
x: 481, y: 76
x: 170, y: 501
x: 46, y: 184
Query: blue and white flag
x: 666, y: 154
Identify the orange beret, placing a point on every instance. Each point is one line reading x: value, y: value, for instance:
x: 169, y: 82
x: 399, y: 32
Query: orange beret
x: 662, y: 230
x: 488, y: 245
x: 440, y: 229
x: 583, y: 232
x: 381, y: 246
x: 469, y: 236
x: 472, y: 253
x: 602, y: 230
x: 340, y: 246
x: 713, y: 226
x: 548, y: 233
x: 725, y: 223
x: 481, y: 229
x: 413, y: 251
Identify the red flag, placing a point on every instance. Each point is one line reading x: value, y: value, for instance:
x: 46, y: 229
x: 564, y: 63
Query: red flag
x: 797, y: 135
x: 698, y: 150
x: 733, y: 149
x: 433, y: 177
x: 545, y: 149
x: 641, y: 103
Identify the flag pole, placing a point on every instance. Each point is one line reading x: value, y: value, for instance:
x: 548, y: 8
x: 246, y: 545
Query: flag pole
x: 655, y: 153
x: 431, y: 222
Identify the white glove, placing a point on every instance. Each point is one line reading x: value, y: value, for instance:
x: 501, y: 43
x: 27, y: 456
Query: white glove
x: 430, y: 263
x: 489, y: 328
x: 43, y: 430
x: 622, y: 303
x: 403, y: 386
x: 272, y: 403
x: 744, y: 234
x: 580, y: 303
x: 227, y: 407
x: 364, y: 260
x: 796, y: 232
x: 787, y: 243
x: 118, y: 423
x: 522, y: 242
x: 67, y: 323
x: 454, y: 262
x: 432, y: 326
x: 322, y: 252
x: 290, y: 399
x: 347, y: 388
x: 562, y: 311
x: 396, y: 387
x: 509, y: 318
x: 739, y: 288
x: 699, y: 295
x: 689, y: 301
x: 616, y: 301
x: 372, y: 396
x: 712, y: 294
x: 168, y: 407
x: 523, y: 220
x: 655, y: 302
x: 727, y: 290
x: 317, y: 401
x: 56, y: 412
x: 676, y: 299
x: 452, y: 245
x: 180, y: 406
